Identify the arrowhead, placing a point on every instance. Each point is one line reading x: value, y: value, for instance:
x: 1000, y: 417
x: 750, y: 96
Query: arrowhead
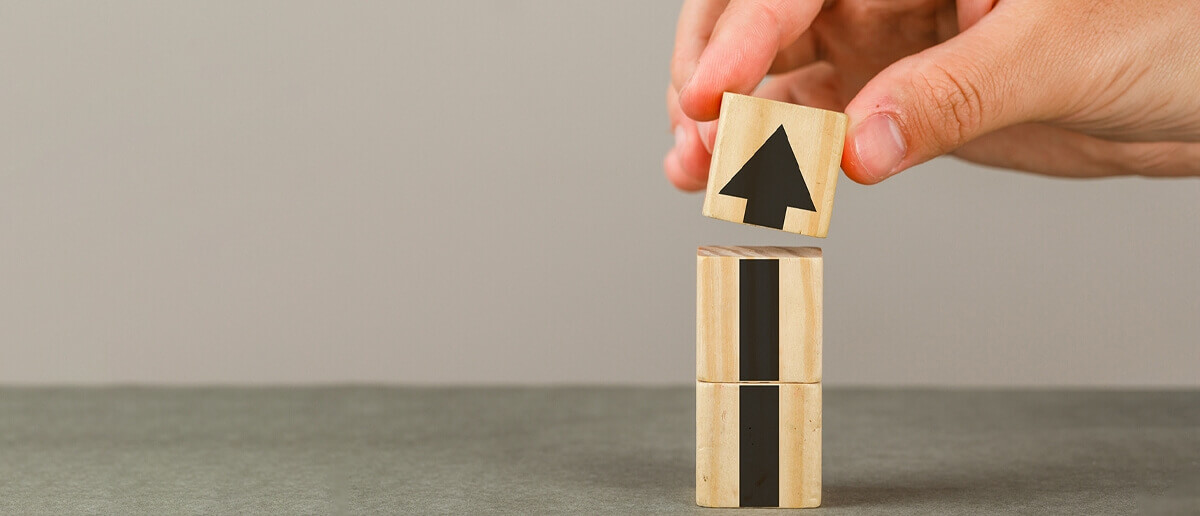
x: 770, y: 182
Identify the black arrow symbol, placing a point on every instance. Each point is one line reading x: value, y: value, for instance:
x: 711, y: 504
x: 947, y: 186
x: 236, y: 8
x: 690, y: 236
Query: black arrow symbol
x: 770, y: 182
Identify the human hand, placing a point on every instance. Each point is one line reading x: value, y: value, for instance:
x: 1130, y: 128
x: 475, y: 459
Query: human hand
x: 1061, y: 88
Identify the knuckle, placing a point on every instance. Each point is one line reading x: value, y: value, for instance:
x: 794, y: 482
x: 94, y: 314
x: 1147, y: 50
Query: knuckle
x: 770, y: 13
x: 957, y: 105
x: 774, y: 19
x: 765, y: 18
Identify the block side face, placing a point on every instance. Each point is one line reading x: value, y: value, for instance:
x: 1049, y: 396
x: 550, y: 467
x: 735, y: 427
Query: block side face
x: 816, y: 138
x: 800, y: 320
x: 717, y: 438
x: 746, y: 307
x: 717, y: 319
x: 800, y: 445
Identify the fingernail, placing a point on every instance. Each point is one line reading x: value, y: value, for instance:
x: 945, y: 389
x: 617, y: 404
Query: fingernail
x: 680, y: 136
x: 703, y: 128
x: 880, y: 146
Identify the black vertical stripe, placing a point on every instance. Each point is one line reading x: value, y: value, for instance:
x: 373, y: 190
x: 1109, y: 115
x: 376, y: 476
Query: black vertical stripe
x: 758, y: 463
x: 758, y: 334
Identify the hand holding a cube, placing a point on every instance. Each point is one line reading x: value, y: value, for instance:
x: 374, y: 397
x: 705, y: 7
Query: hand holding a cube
x: 1043, y: 87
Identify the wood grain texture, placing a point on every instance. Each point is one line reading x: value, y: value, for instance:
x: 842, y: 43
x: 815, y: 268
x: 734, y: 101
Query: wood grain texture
x: 816, y: 137
x: 718, y: 312
x: 717, y: 317
x: 800, y: 445
x: 718, y: 441
x: 800, y: 314
x: 717, y: 444
x: 740, y: 251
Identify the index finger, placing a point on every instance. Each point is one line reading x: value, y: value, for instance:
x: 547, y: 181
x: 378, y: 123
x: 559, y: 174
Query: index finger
x: 742, y: 47
x: 697, y: 19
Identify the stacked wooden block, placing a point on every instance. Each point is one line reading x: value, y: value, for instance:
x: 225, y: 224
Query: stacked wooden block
x: 758, y: 309
x: 758, y: 377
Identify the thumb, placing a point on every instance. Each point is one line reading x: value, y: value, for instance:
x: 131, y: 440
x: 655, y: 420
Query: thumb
x: 933, y: 102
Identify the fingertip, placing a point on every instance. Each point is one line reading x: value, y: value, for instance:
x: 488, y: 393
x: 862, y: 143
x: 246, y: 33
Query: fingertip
x: 681, y: 71
x: 693, y: 158
x: 677, y: 176
x: 699, y: 99
x: 875, y: 148
x: 852, y: 165
x: 674, y: 116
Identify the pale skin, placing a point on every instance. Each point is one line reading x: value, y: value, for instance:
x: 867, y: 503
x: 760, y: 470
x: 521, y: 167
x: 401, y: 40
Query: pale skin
x: 1074, y: 89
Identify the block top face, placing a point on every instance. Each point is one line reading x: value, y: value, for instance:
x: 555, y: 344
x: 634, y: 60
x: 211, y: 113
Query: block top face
x: 767, y: 252
x: 775, y: 165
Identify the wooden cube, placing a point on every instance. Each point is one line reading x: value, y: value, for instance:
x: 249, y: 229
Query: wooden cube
x: 775, y: 165
x: 758, y: 444
x: 758, y: 314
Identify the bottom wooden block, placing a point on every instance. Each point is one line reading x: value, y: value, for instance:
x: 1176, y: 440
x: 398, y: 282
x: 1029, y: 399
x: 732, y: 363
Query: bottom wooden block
x: 758, y: 444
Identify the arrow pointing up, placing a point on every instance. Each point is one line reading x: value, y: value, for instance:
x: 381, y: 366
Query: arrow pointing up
x: 770, y: 182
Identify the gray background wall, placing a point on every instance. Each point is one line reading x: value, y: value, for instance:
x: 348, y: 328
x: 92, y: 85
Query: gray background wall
x: 446, y: 192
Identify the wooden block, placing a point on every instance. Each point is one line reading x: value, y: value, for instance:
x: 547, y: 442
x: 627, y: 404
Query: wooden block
x: 775, y: 165
x: 758, y: 444
x: 758, y: 314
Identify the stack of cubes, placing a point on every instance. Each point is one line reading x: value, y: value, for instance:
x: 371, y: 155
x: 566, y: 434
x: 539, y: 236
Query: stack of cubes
x: 758, y: 377
x: 758, y: 309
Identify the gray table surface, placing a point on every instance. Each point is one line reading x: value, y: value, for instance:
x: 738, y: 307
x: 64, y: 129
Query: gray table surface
x: 370, y: 450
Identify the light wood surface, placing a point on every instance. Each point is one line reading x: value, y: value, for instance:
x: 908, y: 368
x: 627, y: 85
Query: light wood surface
x: 718, y: 313
x: 800, y: 330
x: 718, y: 442
x: 800, y: 445
x: 766, y: 251
x: 816, y: 137
x: 717, y: 317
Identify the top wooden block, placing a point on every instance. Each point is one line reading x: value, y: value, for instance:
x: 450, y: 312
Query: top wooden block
x: 775, y: 165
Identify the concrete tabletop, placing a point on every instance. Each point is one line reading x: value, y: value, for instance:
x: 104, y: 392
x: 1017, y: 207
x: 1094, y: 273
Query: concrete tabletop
x: 358, y: 450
